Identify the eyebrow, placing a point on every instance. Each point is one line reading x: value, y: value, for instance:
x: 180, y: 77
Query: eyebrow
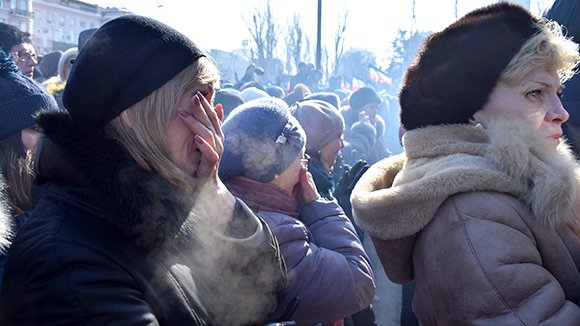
x: 544, y: 84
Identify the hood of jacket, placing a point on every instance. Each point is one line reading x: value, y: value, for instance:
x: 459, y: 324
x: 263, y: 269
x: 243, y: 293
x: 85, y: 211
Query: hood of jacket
x: 94, y: 172
x: 398, y: 196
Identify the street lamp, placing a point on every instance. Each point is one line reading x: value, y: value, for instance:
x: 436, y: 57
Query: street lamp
x: 319, y: 37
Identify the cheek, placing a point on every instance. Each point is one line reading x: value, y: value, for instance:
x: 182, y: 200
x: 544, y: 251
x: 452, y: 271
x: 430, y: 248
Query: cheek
x: 30, y: 139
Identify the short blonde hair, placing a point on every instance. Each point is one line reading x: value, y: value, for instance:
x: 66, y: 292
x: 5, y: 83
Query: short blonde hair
x: 547, y: 48
x: 142, y: 133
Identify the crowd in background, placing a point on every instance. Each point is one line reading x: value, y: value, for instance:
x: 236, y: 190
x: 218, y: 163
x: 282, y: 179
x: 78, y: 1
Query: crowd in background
x: 160, y: 194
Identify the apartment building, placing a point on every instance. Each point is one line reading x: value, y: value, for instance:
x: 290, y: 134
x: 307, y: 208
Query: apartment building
x: 55, y: 24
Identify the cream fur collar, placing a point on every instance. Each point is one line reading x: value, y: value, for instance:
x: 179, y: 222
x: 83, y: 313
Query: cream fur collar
x: 398, y: 197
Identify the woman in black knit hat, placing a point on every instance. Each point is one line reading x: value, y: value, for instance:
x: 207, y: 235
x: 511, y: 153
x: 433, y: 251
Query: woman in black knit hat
x: 135, y: 226
x: 483, y: 208
x: 20, y: 98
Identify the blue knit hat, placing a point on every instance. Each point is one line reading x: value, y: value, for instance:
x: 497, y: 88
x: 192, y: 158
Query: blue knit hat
x: 20, y: 98
x: 262, y: 139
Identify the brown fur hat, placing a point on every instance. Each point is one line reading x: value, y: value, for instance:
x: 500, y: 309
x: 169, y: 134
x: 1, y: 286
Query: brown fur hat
x: 457, y: 68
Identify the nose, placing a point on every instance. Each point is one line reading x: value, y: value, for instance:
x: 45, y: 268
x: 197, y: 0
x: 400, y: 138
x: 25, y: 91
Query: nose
x: 558, y: 113
x: 33, y: 61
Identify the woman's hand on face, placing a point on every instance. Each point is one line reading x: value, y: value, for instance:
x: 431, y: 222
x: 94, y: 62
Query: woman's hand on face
x: 307, y: 187
x: 205, y: 123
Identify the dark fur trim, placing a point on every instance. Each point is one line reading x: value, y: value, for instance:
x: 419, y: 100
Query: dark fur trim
x: 456, y: 69
x: 138, y: 201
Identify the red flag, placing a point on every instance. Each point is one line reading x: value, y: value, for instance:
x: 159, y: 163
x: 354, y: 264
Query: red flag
x: 379, y: 76
x: 357, y: 83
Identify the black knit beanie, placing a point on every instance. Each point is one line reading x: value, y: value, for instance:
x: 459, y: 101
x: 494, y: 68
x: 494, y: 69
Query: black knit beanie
x: 20, y: 98
x: 457, y: 68
x: 362, y: 97
x: 125, y: 60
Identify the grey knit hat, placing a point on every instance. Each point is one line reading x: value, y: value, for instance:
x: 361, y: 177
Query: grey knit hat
x: 321, y: 121
x: 20, y: 98
x: 262, y: 139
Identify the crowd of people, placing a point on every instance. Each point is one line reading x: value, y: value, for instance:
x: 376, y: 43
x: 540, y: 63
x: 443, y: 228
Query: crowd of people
x: 160, y: 195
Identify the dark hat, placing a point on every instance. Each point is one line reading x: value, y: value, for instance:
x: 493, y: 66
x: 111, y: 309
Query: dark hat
x: 229, y: 98
x: 124, y: 61
x: 84, y: 36
x: 457, y: 68
x: 261, y: 140
x: 321, y: 122
x: 20, y: 98
x: 49, y: 64
x: 328, y: 97
x: 362, y: 97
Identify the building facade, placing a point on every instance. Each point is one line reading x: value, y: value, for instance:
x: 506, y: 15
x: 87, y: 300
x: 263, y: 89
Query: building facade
x: 55, y: 24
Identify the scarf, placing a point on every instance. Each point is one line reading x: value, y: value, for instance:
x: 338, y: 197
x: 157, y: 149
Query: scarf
x: 263, y: 196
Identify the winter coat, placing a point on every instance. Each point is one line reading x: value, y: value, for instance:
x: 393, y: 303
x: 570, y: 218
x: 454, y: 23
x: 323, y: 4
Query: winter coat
x: 566, y: 12
x: 323, y: 179
x: 328, y: 268
x: 112, y: 243
x: 5, y: 225
x: 486, y: 221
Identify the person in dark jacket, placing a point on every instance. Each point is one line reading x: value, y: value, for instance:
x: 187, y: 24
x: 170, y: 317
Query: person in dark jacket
x: 567, y: 13
x: 136, y: 227
x: 324, y: 126
x: 20, y: 98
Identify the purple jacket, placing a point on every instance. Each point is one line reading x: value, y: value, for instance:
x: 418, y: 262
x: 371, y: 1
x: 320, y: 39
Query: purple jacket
x: 328, y: 268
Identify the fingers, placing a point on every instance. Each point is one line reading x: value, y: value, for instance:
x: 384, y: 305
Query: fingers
x: 209, y: 118
x: 219, y: 109
x: 209, y: 159
x: 203, y: 121
x: 308, y: 188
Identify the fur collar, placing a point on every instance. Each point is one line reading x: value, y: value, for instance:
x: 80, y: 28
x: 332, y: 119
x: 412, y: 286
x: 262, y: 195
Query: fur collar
x: 5, y: 221
x: 107, y: 181
x: 399, y: 196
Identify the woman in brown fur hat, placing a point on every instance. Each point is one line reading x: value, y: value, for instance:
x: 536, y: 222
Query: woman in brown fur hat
x: 482, y: 210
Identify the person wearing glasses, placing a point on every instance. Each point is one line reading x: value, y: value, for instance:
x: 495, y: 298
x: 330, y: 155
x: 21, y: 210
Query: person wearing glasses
x: 265, y: 164
x: 19, y: 44
x: 20, y: 99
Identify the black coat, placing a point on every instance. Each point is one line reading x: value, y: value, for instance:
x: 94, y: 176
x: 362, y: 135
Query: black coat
x: 111, y: 243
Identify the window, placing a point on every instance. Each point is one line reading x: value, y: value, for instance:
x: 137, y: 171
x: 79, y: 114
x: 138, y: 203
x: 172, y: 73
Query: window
x: 73, y: 22
x: 83, y: 24
x: 49, y: 18
x: 61, y: 20
x: 2, y: 4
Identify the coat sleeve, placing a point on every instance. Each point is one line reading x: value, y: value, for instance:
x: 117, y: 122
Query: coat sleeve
x: 479, y: 262
x: 328, y: 268
x: 76, y: 286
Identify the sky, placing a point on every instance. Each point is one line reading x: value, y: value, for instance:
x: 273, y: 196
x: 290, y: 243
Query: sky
x: 371, y: 24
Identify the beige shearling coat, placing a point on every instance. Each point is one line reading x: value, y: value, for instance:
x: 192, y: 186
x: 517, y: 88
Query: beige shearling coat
x: 487, y: 222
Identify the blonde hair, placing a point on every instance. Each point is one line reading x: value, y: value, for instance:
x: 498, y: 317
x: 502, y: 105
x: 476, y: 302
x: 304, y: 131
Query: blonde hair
x: 547, y: 48
x: 15, y: 164
x: 142, y: 133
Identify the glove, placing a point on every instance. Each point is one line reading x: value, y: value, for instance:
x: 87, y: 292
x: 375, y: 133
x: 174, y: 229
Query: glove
x: 350, y: 178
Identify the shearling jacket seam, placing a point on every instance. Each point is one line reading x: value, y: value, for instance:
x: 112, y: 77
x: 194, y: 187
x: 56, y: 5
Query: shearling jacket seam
x: 480, y: 265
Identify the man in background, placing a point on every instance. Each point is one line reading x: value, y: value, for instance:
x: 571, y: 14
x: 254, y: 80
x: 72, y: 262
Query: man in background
x: 19, y: 45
